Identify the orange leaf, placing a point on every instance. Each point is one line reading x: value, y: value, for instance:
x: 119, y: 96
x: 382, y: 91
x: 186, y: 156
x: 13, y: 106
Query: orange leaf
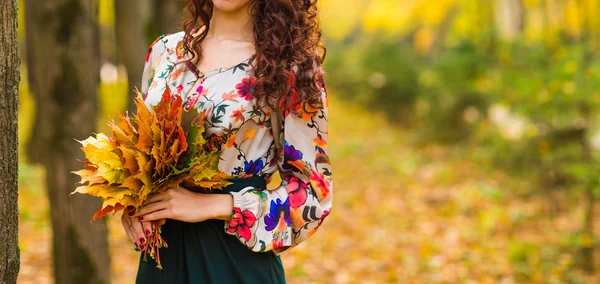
x: 131, y: 163
x: 101, y: 212
x: 132, y: 183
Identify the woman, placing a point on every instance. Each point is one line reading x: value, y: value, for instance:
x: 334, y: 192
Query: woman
x: 253, y: 68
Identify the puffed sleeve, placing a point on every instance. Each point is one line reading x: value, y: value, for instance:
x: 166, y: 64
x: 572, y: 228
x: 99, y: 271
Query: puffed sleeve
x: 281, y: 218
x: 152, y: 59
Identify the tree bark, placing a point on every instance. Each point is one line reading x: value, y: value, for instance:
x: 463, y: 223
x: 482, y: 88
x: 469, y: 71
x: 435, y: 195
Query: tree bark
x: 63, y: 63
x: 9, y: 158
x: 132, y: 18
x: 166, y: 16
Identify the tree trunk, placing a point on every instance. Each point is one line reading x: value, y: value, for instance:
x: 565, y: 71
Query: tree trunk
x: 131, y: 21
x: 9, y: 158
x: 63, y: 66
x: 166, y: 16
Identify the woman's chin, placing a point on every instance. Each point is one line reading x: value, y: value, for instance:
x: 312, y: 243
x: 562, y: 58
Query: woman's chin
x: 230, y: 6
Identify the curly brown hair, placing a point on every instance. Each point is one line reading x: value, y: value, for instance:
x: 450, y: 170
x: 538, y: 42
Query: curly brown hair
x: 287, y: 40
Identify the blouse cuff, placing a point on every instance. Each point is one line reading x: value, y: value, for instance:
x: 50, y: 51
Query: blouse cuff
x: 240, y: 202
x: 242, y: 215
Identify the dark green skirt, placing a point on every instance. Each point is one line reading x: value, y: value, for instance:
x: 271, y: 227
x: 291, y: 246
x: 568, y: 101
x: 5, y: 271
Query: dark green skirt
x: 204, y: 253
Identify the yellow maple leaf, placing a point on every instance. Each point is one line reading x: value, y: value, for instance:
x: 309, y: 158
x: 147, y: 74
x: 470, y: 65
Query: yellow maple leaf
x: 148, y: 153
x: 104, y: 191
x: 89, y: 176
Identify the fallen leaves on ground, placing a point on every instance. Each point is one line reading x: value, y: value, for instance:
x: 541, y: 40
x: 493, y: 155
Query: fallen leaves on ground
x: 403, y: 214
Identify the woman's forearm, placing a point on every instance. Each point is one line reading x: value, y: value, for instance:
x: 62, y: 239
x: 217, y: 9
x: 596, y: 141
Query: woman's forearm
x: 223, y: 206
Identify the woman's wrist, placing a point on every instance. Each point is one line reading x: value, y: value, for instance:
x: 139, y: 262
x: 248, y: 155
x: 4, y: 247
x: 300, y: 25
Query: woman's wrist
x: 223, y: 206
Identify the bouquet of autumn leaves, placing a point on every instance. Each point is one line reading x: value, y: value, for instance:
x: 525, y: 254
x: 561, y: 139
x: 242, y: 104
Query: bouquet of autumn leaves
x: 149, y: 153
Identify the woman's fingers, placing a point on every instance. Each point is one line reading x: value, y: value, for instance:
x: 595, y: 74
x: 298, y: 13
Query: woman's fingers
x: 138, y: 232
x: 160, y: 205
x: 155, y: 197
x: 147, y: 227
x: 157, y: 215
x: 125, y: 219
x: 155, y: 209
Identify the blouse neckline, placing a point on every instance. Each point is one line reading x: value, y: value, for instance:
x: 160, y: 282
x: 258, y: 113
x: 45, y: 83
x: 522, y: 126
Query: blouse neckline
x: 202, y: 74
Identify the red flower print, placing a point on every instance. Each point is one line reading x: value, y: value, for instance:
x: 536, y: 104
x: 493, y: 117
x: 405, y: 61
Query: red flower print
x: 238, y: 114
x: 296, y: 189
x: 148, y: 54
x: 292, y: 78
x: 319, y: 183
x: 277, y: 243
x: 241, y: 223
x: 191, y: 102
x: 294, y: 103
x: 325, y: 214
x: 246, y: 88
x: 179, y: 89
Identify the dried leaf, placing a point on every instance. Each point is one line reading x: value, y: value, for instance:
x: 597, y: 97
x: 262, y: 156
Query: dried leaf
x: 156, y: 149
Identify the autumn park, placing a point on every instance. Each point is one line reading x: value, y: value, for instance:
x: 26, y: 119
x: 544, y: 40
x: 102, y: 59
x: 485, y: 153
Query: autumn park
x: 464, y: 139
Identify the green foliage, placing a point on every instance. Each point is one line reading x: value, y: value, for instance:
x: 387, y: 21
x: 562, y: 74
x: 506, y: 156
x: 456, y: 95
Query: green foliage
x: 533, y: 106
x: 528, y: 108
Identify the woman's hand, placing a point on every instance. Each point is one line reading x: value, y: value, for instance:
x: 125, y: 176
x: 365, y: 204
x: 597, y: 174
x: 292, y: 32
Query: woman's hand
x: 184, y: 205
x: 137, y: 230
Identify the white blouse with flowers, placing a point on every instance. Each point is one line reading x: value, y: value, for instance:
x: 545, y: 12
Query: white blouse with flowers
x: 262, y: 219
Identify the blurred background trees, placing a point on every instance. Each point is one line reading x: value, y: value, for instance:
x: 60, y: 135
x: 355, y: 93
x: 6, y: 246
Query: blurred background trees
x: 518, y: 78
x: 63, y: 63
x: 474, y: 125
x: 137, y: 24
x: 64, y: 43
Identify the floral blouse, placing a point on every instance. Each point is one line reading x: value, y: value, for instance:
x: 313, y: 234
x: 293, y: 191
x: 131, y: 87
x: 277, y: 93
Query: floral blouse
x: 262, y: 219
